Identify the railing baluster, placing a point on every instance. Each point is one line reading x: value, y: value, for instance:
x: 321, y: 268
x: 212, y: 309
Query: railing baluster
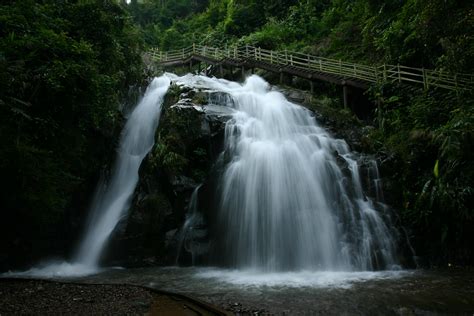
x: 330, y: 66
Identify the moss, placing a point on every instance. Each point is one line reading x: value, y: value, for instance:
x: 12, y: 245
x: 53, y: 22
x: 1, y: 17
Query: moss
x: 200, y: 98
x: 179, y: 145
x: 157, y: 204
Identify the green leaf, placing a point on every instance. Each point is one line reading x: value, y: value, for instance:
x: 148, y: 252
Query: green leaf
x: 436, y: 169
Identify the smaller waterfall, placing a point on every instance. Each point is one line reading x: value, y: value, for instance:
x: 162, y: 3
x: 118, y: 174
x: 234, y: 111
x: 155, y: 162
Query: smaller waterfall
x: 193, y: 233
x: 112, y: 202
x: 113, y: 198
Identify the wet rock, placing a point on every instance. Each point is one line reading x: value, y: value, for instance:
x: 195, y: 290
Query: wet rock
x: 295, y: 96
x: 188, y: 141
x: 181, y: 183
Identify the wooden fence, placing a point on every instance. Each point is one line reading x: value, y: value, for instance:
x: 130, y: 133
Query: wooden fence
x: 374, y: 74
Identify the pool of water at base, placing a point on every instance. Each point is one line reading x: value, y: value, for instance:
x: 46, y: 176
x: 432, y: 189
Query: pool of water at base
x: 415, y: 292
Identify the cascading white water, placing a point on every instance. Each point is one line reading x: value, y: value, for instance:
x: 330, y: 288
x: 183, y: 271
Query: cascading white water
x: 286, y: 203
x: 113, y: 198
x: 192, y: 230
x: 112, y: 202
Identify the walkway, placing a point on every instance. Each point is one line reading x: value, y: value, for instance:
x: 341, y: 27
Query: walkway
x: 312, y: 67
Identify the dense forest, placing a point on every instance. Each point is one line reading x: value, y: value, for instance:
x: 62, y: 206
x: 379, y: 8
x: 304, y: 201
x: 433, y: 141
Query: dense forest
x: 66, y: 66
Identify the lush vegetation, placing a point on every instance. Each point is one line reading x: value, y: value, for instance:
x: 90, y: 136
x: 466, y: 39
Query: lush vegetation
x: 431, y: 135
x: 429, y: 33
x: 64, y: 68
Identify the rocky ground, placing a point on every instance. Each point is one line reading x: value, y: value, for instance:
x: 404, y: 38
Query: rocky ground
x: 36, y: 297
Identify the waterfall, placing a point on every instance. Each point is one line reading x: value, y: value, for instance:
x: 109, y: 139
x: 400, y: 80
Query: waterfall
x: 290, y: 195
x: 192, y: 231
x: 113, y: 200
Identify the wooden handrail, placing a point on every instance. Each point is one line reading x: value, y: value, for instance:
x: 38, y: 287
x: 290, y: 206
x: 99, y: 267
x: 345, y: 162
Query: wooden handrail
x: 373, y: 74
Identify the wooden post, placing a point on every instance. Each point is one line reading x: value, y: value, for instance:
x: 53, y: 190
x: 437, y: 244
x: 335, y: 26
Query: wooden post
x: 183, y: 53
x: 286, y: 56
x: 271, y: 57
x: 379, y: 112
x: 320, y: 65
x: 399, y: 74
x: 246, y: 50
x: 161, y: 55
x: 235, y: 52
x: 344, y: 95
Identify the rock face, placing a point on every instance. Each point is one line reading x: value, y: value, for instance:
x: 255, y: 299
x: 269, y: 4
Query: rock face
x: 188, y: 141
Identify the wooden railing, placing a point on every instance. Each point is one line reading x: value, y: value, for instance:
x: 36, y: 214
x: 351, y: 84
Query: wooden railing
x: 374, y: 74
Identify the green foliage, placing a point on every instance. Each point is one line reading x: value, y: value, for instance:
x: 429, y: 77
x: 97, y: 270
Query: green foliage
x: 63, y: 67
x: 270, y: 35
x: 163, y: 157
x: 432, y: 137
x: 178, y: 149
x: 419, y: 33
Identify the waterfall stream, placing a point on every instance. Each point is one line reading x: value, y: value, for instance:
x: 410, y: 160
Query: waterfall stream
x: 113, y: 200
x: 291, y: 197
